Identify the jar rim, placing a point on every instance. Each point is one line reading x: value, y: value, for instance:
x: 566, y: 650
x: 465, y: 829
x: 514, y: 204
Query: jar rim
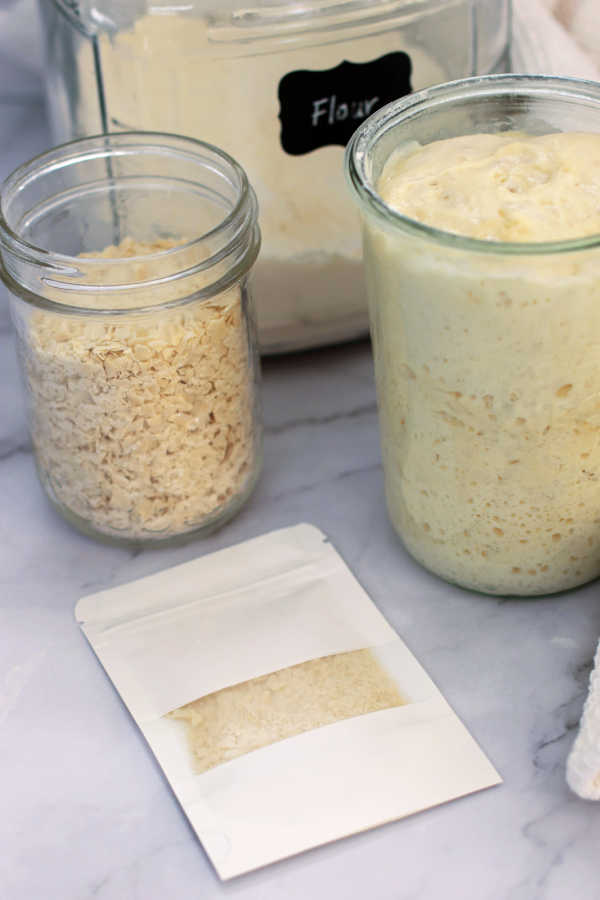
x: 278, y: 15
x: 238, y: 227
x: 364, y: 139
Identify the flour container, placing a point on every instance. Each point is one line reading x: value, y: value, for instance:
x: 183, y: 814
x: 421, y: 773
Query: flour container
x: 281, y: 86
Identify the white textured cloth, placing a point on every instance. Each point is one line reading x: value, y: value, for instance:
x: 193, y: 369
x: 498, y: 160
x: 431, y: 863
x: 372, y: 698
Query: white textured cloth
x: 557, y: 38
x: 583, y: 765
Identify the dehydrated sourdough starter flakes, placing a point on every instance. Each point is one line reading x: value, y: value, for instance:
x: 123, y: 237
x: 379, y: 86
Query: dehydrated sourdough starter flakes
x: 143, y: 425
x: 228, y: 723
x: 273, y: 641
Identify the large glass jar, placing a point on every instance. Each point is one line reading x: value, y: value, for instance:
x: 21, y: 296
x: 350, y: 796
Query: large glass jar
x: 280, y: 86
x: 127, y: 260
x: 486, y: 358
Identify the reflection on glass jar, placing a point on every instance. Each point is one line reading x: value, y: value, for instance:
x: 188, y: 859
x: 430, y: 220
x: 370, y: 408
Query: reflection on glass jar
x: 485, y: 351
x: 127, y: 260
x: 281, y: 87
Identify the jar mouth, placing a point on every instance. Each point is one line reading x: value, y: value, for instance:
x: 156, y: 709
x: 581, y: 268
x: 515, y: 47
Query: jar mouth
x: 377, y: 134
x: 284, y: 18
x: 223, y: 251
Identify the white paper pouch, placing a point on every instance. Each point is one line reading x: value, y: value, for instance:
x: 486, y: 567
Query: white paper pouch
x: 282, y: 707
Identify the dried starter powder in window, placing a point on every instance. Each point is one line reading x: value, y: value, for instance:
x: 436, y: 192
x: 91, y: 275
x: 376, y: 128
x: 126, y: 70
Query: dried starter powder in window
x: 142, y: 425
x: 247, y: 716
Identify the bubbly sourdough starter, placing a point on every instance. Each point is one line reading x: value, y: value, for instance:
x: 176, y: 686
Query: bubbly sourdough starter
x: 487, y: 364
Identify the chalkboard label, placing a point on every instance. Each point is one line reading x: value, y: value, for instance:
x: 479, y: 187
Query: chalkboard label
x: 321, y: 108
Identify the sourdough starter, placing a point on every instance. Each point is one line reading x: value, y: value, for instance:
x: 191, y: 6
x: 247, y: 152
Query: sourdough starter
x: 487, y: 362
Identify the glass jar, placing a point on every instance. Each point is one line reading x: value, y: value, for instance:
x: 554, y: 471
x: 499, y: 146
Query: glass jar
x: 280, y: 86
x: 486, y: 358
x: 127, y: 259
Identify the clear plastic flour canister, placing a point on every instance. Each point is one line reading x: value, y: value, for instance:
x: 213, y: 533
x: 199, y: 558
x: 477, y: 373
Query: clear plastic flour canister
x: 281, y: 86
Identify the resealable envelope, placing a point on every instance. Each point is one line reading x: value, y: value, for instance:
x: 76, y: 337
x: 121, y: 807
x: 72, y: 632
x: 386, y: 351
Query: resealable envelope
x: 274, y: 642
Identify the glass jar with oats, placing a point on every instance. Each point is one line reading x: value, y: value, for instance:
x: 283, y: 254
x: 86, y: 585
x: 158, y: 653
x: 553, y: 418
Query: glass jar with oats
x: 127, y: 259
x: 480, y: 203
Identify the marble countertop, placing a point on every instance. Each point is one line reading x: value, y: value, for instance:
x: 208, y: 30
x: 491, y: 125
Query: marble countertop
x: 86, y: 812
